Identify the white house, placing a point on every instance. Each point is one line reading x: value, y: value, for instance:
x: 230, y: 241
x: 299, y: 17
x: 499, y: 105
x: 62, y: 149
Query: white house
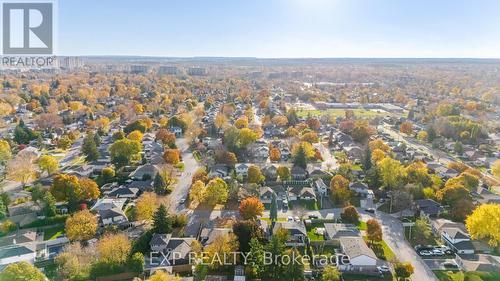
x: 242, y: 169
x: 361, y: 257
x: 113, y: 216
x: 321, y: 187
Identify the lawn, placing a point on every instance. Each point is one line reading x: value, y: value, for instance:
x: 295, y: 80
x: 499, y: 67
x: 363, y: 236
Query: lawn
x: 443, y: 275
x: 336, y: 112
x: 362, y: 225
x: 311, y: 232
x: 53, y: 232
x: 197, y: 155
x: 307, y: 204
x: 430, y: 241
x: 268, y: 220
x: 381, y: 250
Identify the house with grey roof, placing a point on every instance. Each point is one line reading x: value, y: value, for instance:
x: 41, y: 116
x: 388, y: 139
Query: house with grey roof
x: 362, y: 259
x: 16, y: 253
x: 296, y: 229
x: 335, y: 231
x: 169, y: 253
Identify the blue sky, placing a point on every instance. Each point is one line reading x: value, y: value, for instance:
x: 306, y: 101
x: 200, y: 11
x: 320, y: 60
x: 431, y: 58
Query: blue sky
x: 280, y: 28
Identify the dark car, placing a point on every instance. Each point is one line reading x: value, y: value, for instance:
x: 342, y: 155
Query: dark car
x: 370, y: 210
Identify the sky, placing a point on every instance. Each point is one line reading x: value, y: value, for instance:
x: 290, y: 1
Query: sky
x: 280, y: 28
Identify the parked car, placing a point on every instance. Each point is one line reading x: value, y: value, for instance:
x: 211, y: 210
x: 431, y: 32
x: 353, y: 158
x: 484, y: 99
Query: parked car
x: 425, y: 253
x: 290, y: 219
x: 449, y: 264
x: 437, y: 252
x: 182, y: 201
x: 383, y: 268
x: 370, y: 210
x: 313, y: 217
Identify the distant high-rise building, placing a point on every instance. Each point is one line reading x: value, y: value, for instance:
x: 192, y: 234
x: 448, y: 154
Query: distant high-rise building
x: 197, y: 71
x: 168, y: 70
x: 71, y: 63
x: 139, y: 69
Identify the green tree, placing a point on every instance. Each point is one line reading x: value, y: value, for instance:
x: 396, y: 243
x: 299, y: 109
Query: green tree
x: 331, y: 273
x: 89, y: 148
x: 284, y: 173
x: 421, y: 231
x: 350, y: 215
x: 391, y: 173
x: 295, y: 270
x: 49, y: 202
x: 403, y: 270
x: 136, y: 263
x: 216, y: 192
x: 162, y: 222
x: 300, y: 158
x: 124, y: 151
x: 254, y: 174
x: 256, y: 258
x: 159, y: 185
x: 273, y: 212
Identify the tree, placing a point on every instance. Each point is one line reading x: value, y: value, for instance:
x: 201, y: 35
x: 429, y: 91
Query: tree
x: 254, y: 174
x: 135, y: 136
x: 89, y: 148
x: 373, y: 230
x: 136, y: 263
x: 391, y: 172
x: 484, y: 223
x: 331, y: 273
x: 421, y: 231
x: 107, y: 174
x: 245, y: 137
x: 5, y: 153
x: 241, y: 122
x: 223, y: 245
x: 172, y: 156
x: 22, y: 271
x: 48, y: 164
x: 161, y: 275
x: 81, y: 226
x: 162, y: 222
x: 159, y: 185
x: 378, y: 144
x: 197, y: 192
x: 274, y: 154
x: 146, y: 206
x: 311, y: 137
x: 273, y: 212
x: 49, y: 208
x: 284, y: 173
x: 216, y: 192
x: 23, y: 134
x: 245, y: 230
x: 166, y: 137
x: 350, y: 215
x: 406, y: 128
x: 200, y: 175
x: 300, y: 158
x: 403, y: 270
x: 251, y: 208
x: 256, y: 257
x: 87, y: 190
x: 114, y: 249
x: 377, y: 156
x: 457, y: 197
x: 137, y: 125
x: 313, y: 123
x: 21, y: 168
x: 422, y: 136
x: 124, y: 151
x: 338, y: 181
x: 294, y: 270
x: 495, y: 169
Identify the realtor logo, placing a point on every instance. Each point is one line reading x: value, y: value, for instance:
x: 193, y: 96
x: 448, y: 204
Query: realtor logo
x: 28, y: 28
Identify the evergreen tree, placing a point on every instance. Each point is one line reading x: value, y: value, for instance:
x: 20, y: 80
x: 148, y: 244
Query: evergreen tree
x: 89, y: 148
x: 3, y: 210
x: 368, y: 159
x: 300, y: 158
x: 273, y: 212
x: 162, y: 222
x: 49, y: 201
x: 256, y: 257
x: 159, y: 185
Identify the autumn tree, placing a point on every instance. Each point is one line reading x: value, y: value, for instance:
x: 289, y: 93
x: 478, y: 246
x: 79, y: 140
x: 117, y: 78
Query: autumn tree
x: 135, y: 136
x: 251, y: 208
x: 81, y: 226
x: 378, y: 144
x: 338, y: 181
x: 406, y: 128
x: 161, y: 275
x: 5, y: 152
x: 391, y: 172
x: 495, y: 169
x: 197, y: 192
x: 22, y: 271
x: 241, y: 122
x: 223, y: 245
x: 274, y: 154
x: 484, y: 223
x: 171, y: 156
x: 254, y: 174
x: 373, y: 230
x: 200, y: 175
x: 124, y: 151
x: 283, y: 173
x: 48, y: 164
x: 146, y: 206
x: 21, y: 168
x: 166, y: 137
x: 403, y: 270
x: 350, y: 215
x: 114, y: 249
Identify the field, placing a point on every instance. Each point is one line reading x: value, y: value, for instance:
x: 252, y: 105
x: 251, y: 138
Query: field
x: 53, y: 232
x: 335, y: 112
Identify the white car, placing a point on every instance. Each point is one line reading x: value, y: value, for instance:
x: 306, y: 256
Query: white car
x: 290, y: 218
x: 425, y: 253
x: 383, y: 268
x: 437, y: 252
x: 182, y: 201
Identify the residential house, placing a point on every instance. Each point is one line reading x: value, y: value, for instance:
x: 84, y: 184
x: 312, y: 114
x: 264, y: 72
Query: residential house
x: 209, y: 233
x: 298, y: 173
x: 108, y: 203
x: 297, y: 232
x: 428, y: 208
x: 266, y: 193
x: 270, y: 172
x: 219, y: 170
x: 301, y: 193
x: 362, y: 259
x: 335, y: 231
x: 321, y: 187
x: 113, y: 216
x: 142, y: 185
x: 242, y: 169
x: 361, y: 189
x: 16, y: 253
x: 170, y: 253
x: 122, y: 192
x: 458, y: 240
x: 144, y: 172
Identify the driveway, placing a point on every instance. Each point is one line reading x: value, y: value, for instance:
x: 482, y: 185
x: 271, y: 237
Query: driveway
x: 393, y: 235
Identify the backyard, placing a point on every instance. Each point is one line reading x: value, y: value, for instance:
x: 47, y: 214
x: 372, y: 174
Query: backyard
x: 381, y: 250
x: 443, y: 275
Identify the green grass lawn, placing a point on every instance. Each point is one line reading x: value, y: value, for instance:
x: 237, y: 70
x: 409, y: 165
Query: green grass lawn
x: 360, y: 113
x: 430, y: 241
x: 311, y: 232
x: 381, y: 250
x: 268, y: 220
x: 53, y: 232
x: 181, y: 166
x: 197, y: 155
x: 444, y: 275
x: 307, y: 204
